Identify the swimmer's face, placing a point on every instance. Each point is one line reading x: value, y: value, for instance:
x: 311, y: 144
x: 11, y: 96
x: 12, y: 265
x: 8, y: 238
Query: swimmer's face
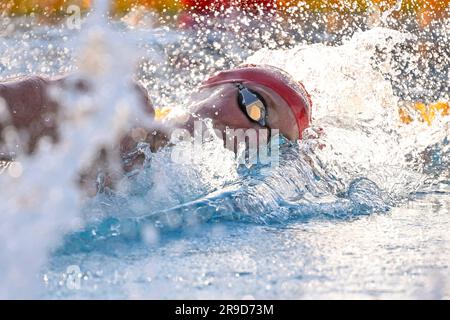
x: 220, y: 103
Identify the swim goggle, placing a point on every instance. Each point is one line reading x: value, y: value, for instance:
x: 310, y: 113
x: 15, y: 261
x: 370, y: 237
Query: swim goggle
x: 252, y: 104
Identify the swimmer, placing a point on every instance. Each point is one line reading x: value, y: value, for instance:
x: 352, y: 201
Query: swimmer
x: 247, y: 97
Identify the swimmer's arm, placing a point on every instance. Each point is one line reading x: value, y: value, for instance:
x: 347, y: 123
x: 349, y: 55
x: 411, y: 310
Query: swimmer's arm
x: 29, y: 109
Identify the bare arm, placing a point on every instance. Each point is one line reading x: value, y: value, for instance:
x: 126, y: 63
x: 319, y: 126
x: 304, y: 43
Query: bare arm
x: 31, y: 107
x: 34, y: 113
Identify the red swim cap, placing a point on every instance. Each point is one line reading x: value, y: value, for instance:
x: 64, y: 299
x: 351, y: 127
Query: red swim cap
x: 294, y: 93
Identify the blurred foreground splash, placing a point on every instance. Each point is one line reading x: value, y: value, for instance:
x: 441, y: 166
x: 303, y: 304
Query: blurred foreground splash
x: 360, y: 159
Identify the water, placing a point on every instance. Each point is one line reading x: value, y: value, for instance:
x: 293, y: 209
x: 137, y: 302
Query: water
x: 359, y: 209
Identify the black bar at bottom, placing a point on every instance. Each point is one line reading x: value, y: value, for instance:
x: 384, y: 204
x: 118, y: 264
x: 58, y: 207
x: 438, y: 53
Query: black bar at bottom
x: 226, y: 309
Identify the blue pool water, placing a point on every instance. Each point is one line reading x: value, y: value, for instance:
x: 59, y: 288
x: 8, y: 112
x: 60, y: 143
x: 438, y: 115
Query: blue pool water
x: 360, y: 211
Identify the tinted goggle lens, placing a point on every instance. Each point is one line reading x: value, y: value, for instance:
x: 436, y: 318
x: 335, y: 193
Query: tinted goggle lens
x: 252, y: 105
